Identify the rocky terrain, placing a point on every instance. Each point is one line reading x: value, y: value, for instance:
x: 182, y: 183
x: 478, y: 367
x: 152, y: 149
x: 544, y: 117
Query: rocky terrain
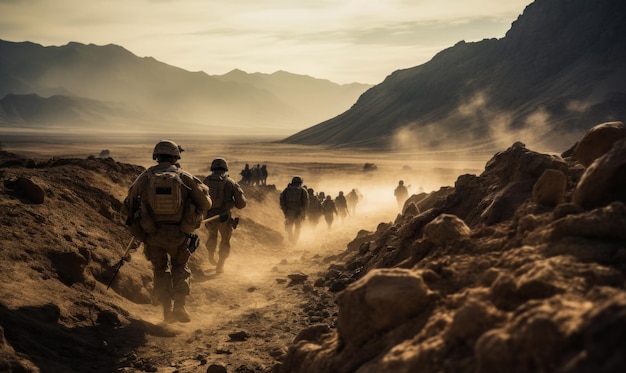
x: 520, y: 269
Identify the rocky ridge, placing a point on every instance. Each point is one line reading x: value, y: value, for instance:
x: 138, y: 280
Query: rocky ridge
x: 518, y: 269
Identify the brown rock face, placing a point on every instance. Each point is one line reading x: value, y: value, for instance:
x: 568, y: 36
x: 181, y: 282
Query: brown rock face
x: 598, y: 141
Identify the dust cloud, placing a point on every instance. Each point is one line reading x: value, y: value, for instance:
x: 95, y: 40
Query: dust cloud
x: 478, y: 127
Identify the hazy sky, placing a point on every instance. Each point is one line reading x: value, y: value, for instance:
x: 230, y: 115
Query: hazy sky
x: 340, y: 40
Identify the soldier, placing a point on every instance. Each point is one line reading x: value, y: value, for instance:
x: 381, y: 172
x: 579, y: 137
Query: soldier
x: 401, y: 193
x: 294, y: 201
x: 314, y: 212
x: 330, y: 210
x: 264, y: 174
x: 352, y: 199
x: 163, y: 192
x: 246, y: 175
x: 342, y: 206
x: 225, y: 194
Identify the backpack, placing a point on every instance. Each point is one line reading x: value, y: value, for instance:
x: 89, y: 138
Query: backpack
x: 217, y: 186
x: 293, y: 198
x: 164, y: 196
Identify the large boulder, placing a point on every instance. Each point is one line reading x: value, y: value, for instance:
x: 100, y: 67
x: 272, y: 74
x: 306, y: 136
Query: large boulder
x: 378, y: 302
x: 598, y: 141
x: 446, y: 229
x: 604, y: 181
x: 550, y: 189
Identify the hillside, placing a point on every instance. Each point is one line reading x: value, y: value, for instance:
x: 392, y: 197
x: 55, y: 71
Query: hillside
x: 557, y: 71
x: 135, y: 92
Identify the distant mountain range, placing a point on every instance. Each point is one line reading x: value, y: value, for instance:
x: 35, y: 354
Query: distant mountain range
x: 90, y: 86
x: 559, y: 70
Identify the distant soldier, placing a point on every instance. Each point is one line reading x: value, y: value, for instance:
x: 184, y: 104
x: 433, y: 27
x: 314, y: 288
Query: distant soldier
x: 402, y: 194
x: 352, y: 198
x: 314, y: 212
x: 246, y: 174
x: 160, y: 194
x: 330, y: 210
x: 294, y: 201
x: 342, y: 206
x: 264, y: 175
x: 225, y: 194
x: 255, y: 176
x: 321, y: 196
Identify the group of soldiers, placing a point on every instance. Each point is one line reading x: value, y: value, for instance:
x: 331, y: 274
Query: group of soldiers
x: 169, y: 213
x: 301, y: 204
x: 164, y: 217
x: 257, y: 175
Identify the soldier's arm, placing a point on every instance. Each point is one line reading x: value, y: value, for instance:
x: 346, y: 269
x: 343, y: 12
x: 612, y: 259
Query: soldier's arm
x: 199, y: 193
x: 238, y: 196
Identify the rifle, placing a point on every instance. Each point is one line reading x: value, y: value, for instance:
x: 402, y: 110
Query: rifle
x: 223, y: 217
x: 121, y: 262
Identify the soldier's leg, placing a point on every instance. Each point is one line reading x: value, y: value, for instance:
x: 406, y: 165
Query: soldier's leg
x: 163, y: 287
x: 289, y: 228
x: 180, y: 282
x: 226, y: 232
x: 211, y: 242
x: 297, y: 224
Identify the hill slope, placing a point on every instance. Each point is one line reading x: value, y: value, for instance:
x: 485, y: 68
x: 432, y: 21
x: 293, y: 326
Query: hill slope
x: 558, y: 70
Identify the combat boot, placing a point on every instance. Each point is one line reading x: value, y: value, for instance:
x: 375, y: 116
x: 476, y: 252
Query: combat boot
x: 180, y: 313
x: 168, y: 315
x: 220, y: 266
x: 212, y: 257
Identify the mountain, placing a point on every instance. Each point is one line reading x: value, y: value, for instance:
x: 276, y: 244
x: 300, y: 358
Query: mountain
x: 558, y: 71
x: 156, y: 92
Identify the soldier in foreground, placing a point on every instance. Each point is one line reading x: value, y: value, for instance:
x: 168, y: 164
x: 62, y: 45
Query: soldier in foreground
x: 225, y: 194
x: 294, y: 201
x: 166, y: 206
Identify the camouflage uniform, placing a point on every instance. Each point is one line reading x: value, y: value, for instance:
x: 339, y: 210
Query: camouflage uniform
x: 294, y: 201
x: 233, y: 196
x: 330, y: 210
x: 168, y: 243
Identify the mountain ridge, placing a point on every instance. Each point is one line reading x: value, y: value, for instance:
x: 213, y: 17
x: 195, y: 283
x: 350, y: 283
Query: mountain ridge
x: 161, y: 92
x: 554, y: 56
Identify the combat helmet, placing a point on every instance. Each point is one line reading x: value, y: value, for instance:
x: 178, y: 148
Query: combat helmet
x: 219, y: 164
x: 297, y: 180
x: 166, y: 147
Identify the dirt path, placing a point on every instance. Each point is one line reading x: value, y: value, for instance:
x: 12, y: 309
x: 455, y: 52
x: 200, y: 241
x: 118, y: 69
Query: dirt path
x: 244, y: 319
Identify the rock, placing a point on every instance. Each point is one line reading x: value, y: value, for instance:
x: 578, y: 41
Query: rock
x: 365, y: 307
x: 27, y: 188
x: 550, y: 188
x: 215, y: 368
x: 297, y: 278
x: 606, y: 222
x: 446, y: 229
x: 604, y: 181
x: 471, y: 320
x: 239, y: 336
x: 598, y: 141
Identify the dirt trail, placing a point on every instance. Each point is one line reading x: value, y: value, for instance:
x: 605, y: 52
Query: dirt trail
x: 244, y: 318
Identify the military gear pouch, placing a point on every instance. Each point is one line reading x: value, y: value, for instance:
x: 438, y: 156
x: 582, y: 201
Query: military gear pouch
x: 165, y: 196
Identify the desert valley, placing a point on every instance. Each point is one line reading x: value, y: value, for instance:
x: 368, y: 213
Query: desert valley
x: 509, y: 254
